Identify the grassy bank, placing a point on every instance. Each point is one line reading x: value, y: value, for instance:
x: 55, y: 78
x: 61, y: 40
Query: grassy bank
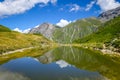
x: 11, y: 40
x: 38, y: 51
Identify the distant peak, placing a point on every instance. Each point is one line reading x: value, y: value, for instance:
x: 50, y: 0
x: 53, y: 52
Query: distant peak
x: 110, y: 14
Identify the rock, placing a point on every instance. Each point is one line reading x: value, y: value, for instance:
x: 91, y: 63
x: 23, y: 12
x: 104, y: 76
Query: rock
x: 110, y: 14
x: 46, y: 29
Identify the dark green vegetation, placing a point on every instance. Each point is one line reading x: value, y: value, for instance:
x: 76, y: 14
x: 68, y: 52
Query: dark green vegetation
x: 76, y: 30
x: 107, y: 35
x: 11, y: 40
x: 107, y: 66
x: 4, y: 29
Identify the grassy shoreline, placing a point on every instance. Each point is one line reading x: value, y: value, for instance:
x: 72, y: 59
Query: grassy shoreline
x: 10, y: 41
x: 95, y: 47
x: 26, y: 53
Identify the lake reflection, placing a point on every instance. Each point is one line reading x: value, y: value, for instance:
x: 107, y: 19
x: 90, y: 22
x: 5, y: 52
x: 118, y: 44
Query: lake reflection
x: 63, y: 63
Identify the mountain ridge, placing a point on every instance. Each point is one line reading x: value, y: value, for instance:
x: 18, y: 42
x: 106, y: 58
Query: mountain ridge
x: 46, y: 29
x: 110, y: 14
x: 77, y: 29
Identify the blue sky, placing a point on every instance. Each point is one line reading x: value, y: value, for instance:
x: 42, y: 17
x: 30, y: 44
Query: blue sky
x: 24, y: 14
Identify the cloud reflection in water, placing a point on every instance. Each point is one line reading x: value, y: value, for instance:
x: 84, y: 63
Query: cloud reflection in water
x: 7, y: 75
x: 62, y: 64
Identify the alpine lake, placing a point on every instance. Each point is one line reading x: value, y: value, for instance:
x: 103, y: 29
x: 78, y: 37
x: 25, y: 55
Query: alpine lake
x: 62, y: 63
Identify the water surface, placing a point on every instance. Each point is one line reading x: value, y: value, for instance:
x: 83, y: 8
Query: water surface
x: 63, y: 63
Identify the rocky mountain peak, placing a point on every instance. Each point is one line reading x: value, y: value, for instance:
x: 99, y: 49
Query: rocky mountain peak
x: 110, y: 14
x: 46, y: 29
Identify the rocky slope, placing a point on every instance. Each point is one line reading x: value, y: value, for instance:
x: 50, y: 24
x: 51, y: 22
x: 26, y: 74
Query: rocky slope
x: 46, y: 29
x: 108, y: 15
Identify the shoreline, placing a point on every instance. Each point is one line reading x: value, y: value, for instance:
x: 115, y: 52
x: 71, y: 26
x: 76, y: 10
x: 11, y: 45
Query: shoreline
x: 17, y: 50
x: 104, y: 51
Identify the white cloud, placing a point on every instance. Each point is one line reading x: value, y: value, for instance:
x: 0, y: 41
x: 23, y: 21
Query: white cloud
x: 42, y: 5
x: 26, y: 30
x: 89, y: 6
x: 18, y: 30
x: 37, y: 26
x: 63, y: 23
x: 74, y: 7
x: 22, y: 31
x: 107, y: 4
x: 53, y: 1
x: 62, y: 64
x: 10, y: 7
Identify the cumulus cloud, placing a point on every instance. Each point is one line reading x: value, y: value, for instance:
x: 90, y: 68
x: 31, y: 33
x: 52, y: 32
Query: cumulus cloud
x: 26, y: 30
x: 37, y: 26
x: 63, y: 23
x: 89, y: 6
x: 107, y: 4
x: 70, y: 8
x: 10, y: 7
x: 74, y: 7
x: 22, y: 31
x: 18, y: 30
x: 62, y: 64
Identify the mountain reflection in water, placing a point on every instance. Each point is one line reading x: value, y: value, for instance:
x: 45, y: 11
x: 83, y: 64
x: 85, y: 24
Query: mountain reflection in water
x: 63, y: 63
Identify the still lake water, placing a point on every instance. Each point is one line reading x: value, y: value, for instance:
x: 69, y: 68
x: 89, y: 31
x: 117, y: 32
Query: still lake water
x: 63, y: 63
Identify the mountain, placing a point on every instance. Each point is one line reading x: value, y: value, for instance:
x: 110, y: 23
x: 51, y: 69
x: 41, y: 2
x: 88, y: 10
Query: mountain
x: 76, y: 30
x: 46, y: 29
x: 110, y: 14
x: 11, y: 40
x: 69, y: 33
x: 108, y: 35
x: 84, y: 27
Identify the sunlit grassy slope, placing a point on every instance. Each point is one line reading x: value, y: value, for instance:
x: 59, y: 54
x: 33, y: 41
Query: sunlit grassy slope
x: 108, y: 34
x: 76, y: 30
x: 10, y: 40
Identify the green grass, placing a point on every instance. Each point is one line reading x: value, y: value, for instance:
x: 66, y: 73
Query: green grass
x: 11, y: 40
x: 107, y: 34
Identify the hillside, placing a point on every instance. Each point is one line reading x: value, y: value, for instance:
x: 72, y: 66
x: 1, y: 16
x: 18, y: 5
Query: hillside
x: 108, y: 34
x: 4, y: 29
x: 10, y: 40
x: 76, y: 30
